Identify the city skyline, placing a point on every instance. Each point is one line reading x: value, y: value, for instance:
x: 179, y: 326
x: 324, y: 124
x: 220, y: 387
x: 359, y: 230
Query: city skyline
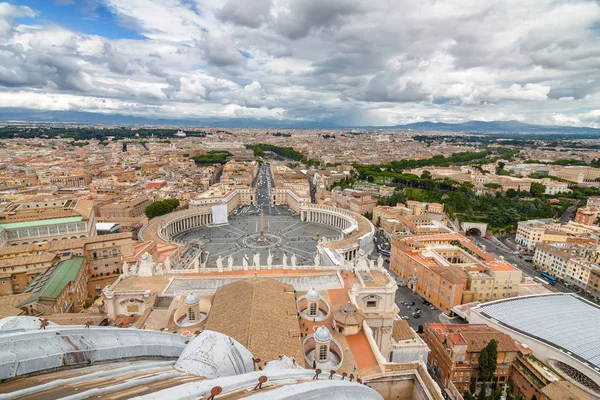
x: 339, y: 63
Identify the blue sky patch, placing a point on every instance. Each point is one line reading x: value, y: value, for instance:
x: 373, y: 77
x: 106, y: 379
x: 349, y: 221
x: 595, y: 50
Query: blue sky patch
x: 85, y: 16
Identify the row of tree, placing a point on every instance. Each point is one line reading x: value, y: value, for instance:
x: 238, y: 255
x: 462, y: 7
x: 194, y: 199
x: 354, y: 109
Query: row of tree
x: 162, y: 207
x: 213, y: 157
x: 285, y: 152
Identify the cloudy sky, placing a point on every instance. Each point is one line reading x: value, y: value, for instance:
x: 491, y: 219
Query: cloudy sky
x: 350, y: 62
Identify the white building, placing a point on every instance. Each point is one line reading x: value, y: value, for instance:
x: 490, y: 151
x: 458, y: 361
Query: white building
x: 555, y: 187
x: 529, y: 233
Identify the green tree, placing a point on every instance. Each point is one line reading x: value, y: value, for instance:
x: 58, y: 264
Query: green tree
x: 488, y: 358
x: 511, y: 193
x: 426, y: 175
x: 537, y: 189
x: 473, y: 385
x: 158, y: 208
x: 500, y: 167
x: 482, y: 392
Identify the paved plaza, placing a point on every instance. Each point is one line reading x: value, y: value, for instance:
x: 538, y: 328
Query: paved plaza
x: 285, y: 233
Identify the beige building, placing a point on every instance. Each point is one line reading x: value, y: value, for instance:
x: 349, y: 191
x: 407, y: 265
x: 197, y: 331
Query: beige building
x: 290, y: 188
x: 232, y: 196
x: 529, y: 233
x: 49, y: 224
x: 104, y: 258
x: 128, y: 207
x: 579, y: 271
x: 578, y: 174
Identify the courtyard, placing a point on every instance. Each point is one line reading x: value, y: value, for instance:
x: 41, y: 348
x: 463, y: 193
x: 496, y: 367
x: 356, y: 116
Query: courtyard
x: 283, y: 234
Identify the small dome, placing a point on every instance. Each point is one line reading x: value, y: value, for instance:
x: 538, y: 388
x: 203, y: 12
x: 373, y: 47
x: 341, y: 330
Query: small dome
x: 313, y: 295
x: 191, y: 299
x: 214, y: 355
x: 348, y: 314
x: 322, y: 334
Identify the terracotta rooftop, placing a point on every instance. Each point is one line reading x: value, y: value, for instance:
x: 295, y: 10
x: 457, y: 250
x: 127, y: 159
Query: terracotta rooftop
x: 261, y: 314
x: 563, y: 390
x: 402, y: 331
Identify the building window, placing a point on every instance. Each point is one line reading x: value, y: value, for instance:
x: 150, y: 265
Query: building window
x: 313, y: 309
x: 191, y: 314
x: 371, y: 303
x: 323, y: 353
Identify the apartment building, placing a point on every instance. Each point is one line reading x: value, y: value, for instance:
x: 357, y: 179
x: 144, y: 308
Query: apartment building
x: 579, y: 271
x: 587, y: 215
x: 552, y: 259
x: 449, y: 270
x: 455, y: 349
x: 71, y: 181
x: 529, y: 233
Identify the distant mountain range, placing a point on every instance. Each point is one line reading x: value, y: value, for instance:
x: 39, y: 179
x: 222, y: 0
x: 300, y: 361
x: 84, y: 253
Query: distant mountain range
x: 14, y: 115
x: 495, y: 127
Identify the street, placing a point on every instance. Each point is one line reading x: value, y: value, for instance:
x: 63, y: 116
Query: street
x: 515, y: 260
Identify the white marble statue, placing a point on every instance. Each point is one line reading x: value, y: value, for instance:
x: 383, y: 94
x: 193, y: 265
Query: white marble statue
x: 245, y: 262
x: 293, y: 259
x: 380, y: 262
x: 317, y: 259
x: 371, y: 264
x: 284, y: 260
x: 145, y: 266
x: 220, y: 263
x: 256, y: 260
x: 269, y: 260
x: 361, y: 262
x: 230, y: 262
x: 125, y: 269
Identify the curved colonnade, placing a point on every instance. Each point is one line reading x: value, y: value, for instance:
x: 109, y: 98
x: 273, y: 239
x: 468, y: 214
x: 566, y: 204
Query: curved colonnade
x: 357, y: 231
x: 165, y: 228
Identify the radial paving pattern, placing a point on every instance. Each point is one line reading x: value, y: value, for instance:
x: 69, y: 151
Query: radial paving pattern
x: 284, y: 233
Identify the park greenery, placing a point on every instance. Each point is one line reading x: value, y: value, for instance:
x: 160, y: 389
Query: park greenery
x: 285, y: 152
x: 162, y: 207
x: 212, y: 157
x: 502, y: 212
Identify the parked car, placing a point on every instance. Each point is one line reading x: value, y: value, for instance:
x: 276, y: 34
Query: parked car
x: 408, y: 307
x: 416, y: 315
x: 417, y: 310
x: 411, y: 303
x: 404, y: 303
x: 432, y: 307
x: 405, y: 317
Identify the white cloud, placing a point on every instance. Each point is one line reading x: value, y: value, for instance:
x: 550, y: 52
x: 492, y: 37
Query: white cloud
x: 350, y: 62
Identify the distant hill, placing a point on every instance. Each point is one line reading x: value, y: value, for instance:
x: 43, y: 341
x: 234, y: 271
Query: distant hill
x: 495, y: 127
x: 12, y: 115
